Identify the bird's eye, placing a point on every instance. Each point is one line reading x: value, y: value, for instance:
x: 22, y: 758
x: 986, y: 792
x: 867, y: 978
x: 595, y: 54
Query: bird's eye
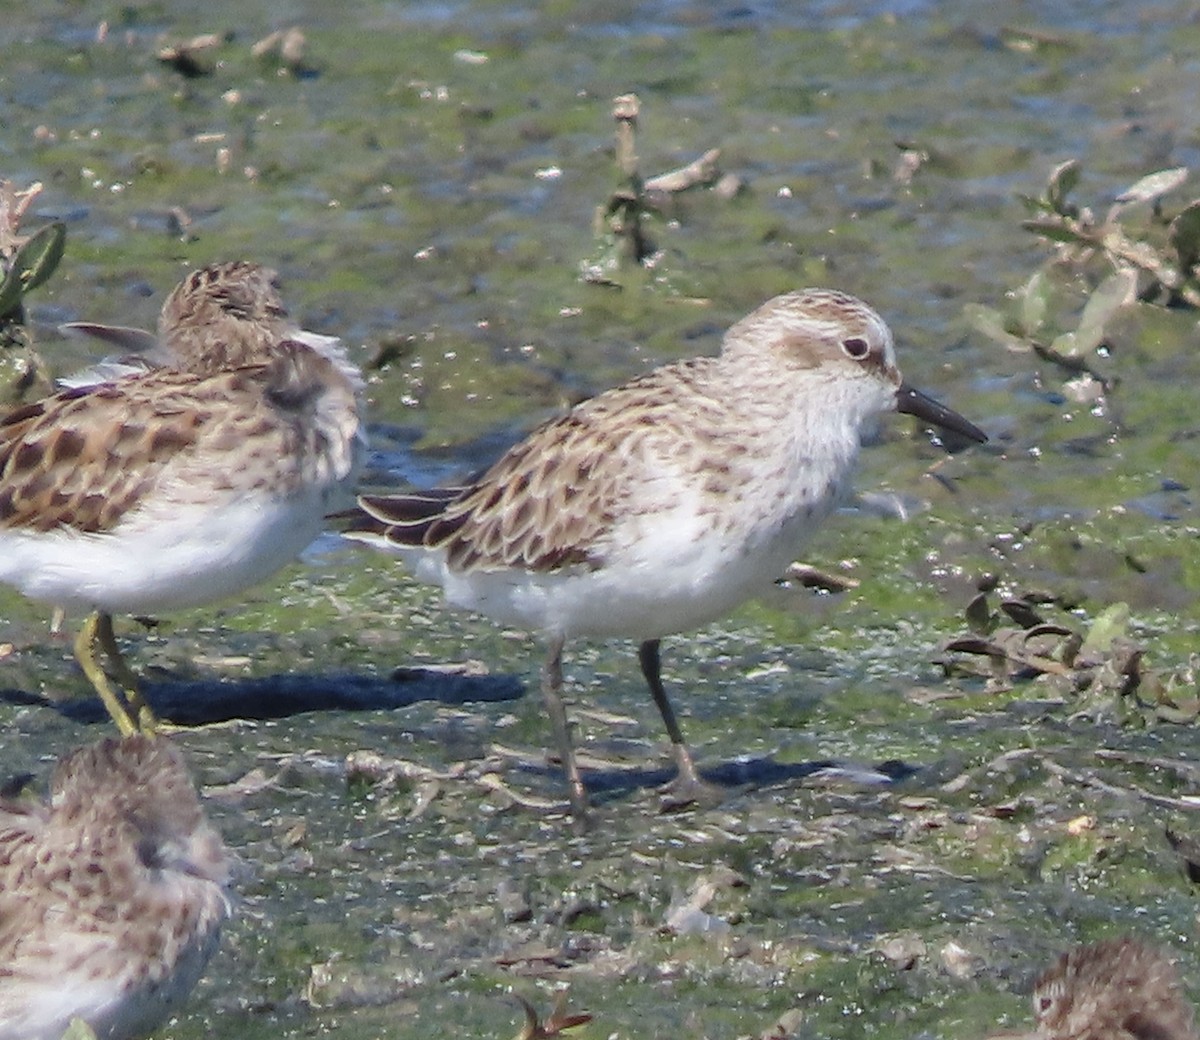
x: 856, y: 347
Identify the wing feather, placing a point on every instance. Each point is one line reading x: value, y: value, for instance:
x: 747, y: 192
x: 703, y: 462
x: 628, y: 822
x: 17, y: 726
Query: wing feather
x: 85, y: 458
x: 551, y: 501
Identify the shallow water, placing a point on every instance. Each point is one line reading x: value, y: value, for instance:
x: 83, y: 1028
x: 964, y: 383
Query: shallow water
x: 417, y: 197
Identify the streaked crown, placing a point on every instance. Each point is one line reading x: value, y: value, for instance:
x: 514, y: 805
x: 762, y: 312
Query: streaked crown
x: 236, y: 288
x: 223, y: 315
x: 813, y: 327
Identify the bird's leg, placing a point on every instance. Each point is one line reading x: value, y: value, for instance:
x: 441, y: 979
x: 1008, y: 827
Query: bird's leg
x: 552, y: 679
x: 651, y: 662
x: 688, y: 786
x: 136, y: 707
x: 85, y: 654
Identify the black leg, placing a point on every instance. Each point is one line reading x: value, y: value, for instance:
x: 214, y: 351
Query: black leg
x: 688, y: 787
x: 552, y: 693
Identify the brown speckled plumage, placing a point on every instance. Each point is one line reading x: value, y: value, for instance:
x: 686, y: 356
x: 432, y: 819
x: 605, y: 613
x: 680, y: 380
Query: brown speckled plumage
x: 157, y: 484
x: 552, y: 500
x: 662, y: 504
x: 223, y: 315
x: 1120, y: 989
x: 111, y: 895
x: 218, y: 317
x: 86, y: 459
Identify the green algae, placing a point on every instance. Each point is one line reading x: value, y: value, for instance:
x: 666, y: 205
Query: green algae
x: 398, y: 192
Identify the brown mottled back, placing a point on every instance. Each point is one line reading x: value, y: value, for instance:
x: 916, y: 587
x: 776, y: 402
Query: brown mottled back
x: 81, y: 459
x: 550, y: 500
x: 85, y: 458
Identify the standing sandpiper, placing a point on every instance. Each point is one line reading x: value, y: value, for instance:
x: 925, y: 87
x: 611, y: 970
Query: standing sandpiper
x: 659, y: 506
x: 175, y: 487
x: 111, y: 897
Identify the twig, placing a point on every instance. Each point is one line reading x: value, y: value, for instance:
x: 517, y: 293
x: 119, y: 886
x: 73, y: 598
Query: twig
x: 701, y: 171
x: 1189, y: 770
x: 1085, y: 780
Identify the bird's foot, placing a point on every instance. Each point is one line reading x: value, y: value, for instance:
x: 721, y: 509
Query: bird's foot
x: 689, y: 790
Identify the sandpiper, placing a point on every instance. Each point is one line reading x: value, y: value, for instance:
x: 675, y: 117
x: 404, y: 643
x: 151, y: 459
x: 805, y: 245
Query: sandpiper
x: 662, y: 504
x: 112, y: 896
x: 176, y: 487
x: 218, y: 316
x: 1118, y: 989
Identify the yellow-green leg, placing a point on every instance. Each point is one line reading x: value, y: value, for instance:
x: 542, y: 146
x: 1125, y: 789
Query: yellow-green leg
x: 142, y: 714
x: 128, y: 709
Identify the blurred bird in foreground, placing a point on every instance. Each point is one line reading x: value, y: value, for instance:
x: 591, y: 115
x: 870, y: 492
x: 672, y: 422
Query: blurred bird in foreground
x: 112, y: 895
x: 1119, y: 989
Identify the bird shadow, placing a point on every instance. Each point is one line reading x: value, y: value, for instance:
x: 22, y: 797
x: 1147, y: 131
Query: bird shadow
x: 207, y: 701
x: 741, y: 773
x: 200, y: 702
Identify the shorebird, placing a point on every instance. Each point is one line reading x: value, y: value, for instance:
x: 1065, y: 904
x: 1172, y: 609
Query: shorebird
x: 112, y: 895
x: 175, y: 487
x: 220, y: 315
x: 660, y: 505
x: 1119, y: 989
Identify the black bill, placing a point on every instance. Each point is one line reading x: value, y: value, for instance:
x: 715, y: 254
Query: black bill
x: 912, y: 402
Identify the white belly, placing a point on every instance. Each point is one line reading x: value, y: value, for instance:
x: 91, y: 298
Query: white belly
x: 672, y: 581
x: 196, y: 556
